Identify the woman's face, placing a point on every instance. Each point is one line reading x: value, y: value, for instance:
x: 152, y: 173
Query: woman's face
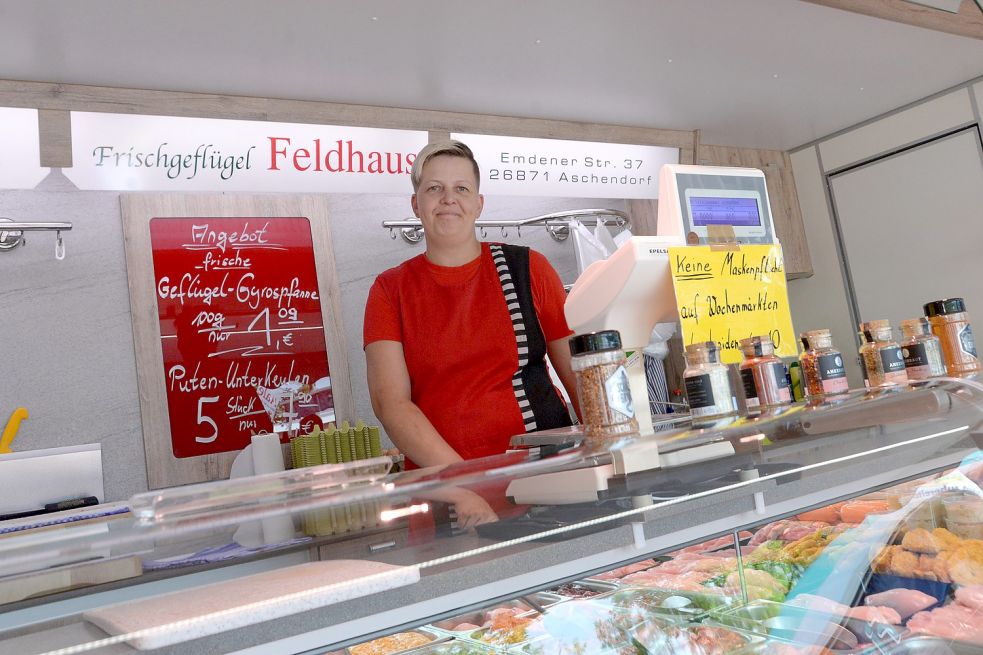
x: 447, y: 201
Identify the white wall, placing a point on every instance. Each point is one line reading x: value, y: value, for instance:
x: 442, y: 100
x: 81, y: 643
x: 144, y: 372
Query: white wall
x: 67, y: 348
x: 822, y: 300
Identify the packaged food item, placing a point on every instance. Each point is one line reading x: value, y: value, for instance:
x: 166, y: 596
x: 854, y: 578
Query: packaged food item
x: 707, y: 382
x: 922, y: 350
x: 763, y: 374
x: 964, y: 515
x: 602, y: 384
x: 823, y: 372
x: 881, y: 356
x: 950, y: 323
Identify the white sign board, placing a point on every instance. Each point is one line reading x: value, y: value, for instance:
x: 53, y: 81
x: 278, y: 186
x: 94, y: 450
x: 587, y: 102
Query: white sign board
x: 20, y: 151
x: 521, y: 166
x: 164, y: 153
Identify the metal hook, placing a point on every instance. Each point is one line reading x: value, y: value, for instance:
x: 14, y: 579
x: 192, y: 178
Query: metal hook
x: 481, y: 231
x: 59, y: 246
x: 392, y: 234
x: 518, y: 231
x: 505, y: 234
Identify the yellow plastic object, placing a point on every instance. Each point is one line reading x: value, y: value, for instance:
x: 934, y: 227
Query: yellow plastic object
x: 10, y: 431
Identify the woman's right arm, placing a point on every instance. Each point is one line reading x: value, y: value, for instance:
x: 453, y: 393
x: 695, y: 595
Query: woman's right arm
x: 408, y: 427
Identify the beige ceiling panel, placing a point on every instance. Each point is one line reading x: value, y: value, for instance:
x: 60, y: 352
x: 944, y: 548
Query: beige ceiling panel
x: 897, y: 130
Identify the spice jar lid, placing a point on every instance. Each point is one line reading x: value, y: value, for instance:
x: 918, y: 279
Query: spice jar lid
x: 812, y: 338
x: 879, y: 324
x: 707, y: 351
x: 593, y: 342
x: 945, y: 306
x: 918, y: 325
x: 757, y: 346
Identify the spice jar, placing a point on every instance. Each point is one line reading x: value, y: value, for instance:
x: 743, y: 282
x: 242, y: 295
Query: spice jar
x: 950, y: 323
x: 881, y: 356
x: 602, y: 384
x: 922, y: 350
x: 707, y: 382
x: 823, y: 371
x: 763, y: 374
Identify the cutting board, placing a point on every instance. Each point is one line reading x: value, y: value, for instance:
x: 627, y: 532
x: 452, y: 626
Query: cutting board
x: 51, y: 581
x: 180, y: 616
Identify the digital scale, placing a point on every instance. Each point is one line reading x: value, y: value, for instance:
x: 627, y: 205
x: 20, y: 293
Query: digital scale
x: 631, y: 291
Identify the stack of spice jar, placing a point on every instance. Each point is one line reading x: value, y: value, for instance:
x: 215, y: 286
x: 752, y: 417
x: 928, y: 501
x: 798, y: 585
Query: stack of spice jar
x: 935, y: 345
x: 940, y: 343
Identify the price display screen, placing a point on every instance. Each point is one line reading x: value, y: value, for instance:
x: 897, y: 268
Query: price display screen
x: 707, y: 210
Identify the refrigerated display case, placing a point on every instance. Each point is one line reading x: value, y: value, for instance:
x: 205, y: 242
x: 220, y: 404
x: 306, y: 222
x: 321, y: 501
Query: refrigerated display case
x: 377, y: 553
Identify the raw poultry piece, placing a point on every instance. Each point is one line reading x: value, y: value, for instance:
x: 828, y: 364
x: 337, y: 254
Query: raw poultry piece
x: 971, y: 596
x: 618, y: 573
x: 690, y: 562
x: 730, y: 552
x: 873, y: 614
x: 785, y: 530
x: 953, y: 621
x: 819, y: 604
x: 691, y: 581
x: 905, y: 602
x: 713, y: 544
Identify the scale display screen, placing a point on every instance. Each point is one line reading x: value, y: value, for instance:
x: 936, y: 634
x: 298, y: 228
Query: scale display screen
x: 709, y: 210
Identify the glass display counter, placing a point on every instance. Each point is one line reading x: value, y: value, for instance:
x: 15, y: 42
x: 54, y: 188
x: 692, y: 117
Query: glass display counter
x: 797, y: 528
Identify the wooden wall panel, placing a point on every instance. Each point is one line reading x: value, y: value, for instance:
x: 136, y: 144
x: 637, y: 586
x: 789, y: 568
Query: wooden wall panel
x: 777, y: 168
x: 55, y: 138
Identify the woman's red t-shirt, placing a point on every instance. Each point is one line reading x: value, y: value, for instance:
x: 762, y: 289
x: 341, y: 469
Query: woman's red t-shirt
x: 459, y: 343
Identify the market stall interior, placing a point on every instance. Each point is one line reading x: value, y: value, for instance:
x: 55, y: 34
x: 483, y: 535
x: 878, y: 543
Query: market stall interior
x: 203, y: 470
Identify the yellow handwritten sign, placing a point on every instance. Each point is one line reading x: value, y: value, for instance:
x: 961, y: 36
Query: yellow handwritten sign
x: 729, y: 295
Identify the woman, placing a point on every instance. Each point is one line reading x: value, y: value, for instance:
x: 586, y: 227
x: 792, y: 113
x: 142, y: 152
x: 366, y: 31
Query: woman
x: 456, y: 338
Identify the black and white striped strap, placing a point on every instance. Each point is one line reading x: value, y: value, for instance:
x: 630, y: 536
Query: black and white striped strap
x: 519, y: 327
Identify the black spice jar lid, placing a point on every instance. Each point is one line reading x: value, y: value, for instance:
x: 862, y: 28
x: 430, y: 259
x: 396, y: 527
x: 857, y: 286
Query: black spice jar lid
x: 946, y: 306
x: 593, y: 342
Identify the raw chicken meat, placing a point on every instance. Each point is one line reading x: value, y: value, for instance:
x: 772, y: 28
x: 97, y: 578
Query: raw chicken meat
x: 904, y: 601
x: 874, y: 614
x: 971, y: 596
x: 819, y: 604
x: 713, y: 544
x: 786, y: 530
x: 953, y: 621
x: 691, y: 581
x: 625, y: 570
x: 688, y: 562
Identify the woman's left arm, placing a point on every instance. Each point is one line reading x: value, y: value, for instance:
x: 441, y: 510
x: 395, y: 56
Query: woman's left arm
x: 559, y: 354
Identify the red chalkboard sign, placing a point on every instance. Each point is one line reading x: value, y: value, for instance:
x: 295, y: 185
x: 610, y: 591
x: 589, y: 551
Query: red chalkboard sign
x: 239, y: 308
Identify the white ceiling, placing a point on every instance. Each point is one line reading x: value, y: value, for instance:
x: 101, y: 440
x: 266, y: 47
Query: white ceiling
x: 750, y: 73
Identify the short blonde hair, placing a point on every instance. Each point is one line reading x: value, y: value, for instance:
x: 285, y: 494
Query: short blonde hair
x: 451, y: 149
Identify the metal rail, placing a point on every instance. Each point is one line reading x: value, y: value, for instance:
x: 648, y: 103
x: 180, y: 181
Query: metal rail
x: 557, y: 223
